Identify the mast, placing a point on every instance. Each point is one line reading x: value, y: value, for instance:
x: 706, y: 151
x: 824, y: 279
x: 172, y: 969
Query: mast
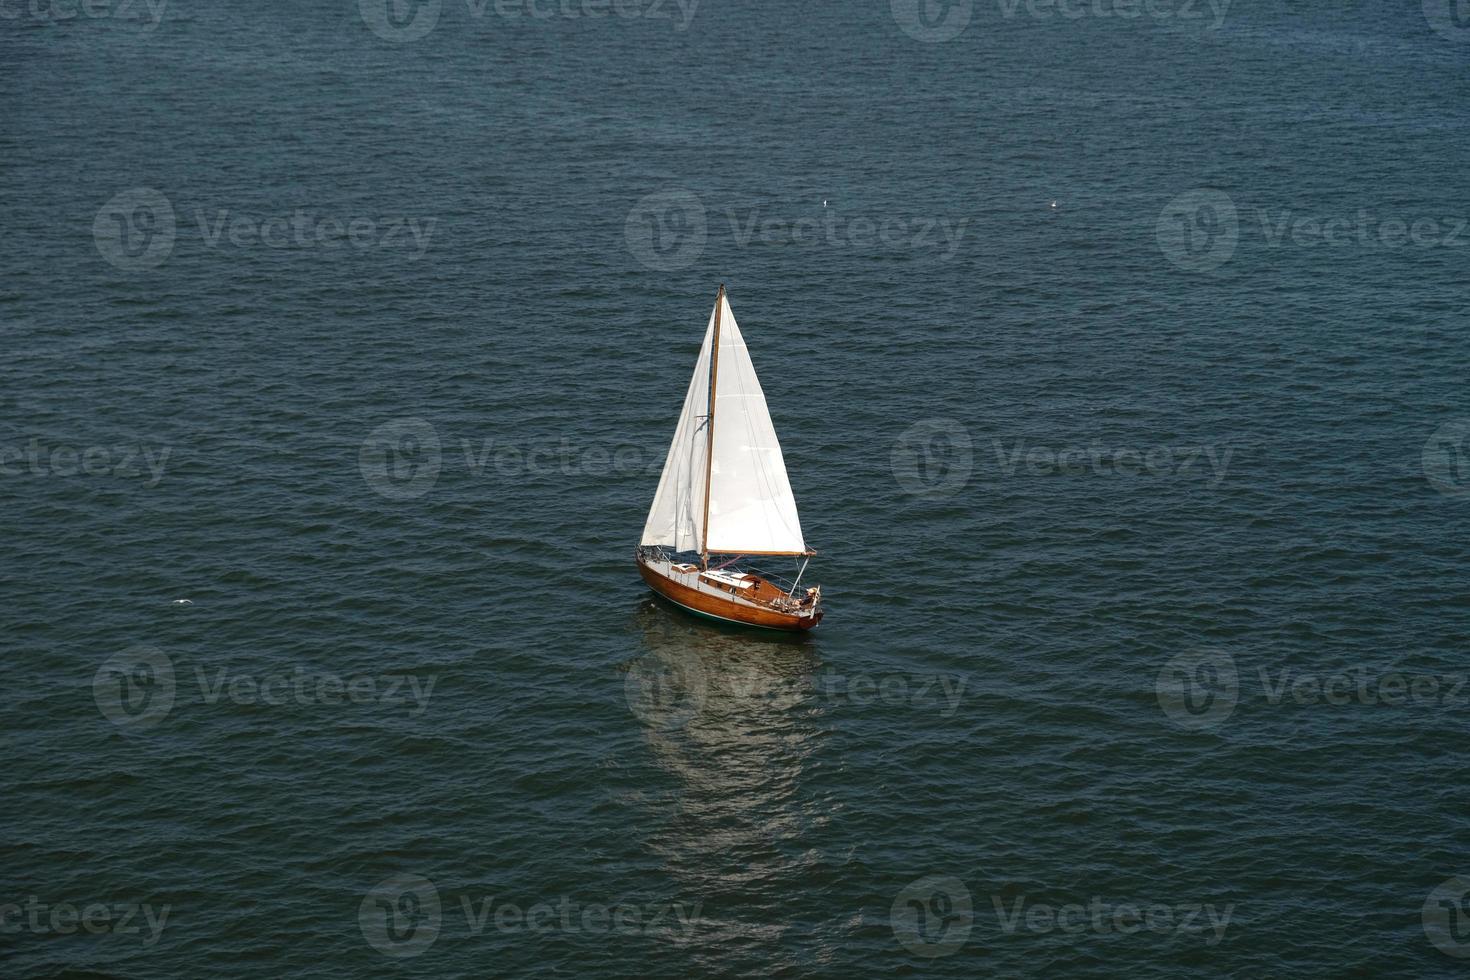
x: 709, y: 446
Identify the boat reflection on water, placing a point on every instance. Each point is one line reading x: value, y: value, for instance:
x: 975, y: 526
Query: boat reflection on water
x: 709, y: 672
x: 733, y: 715
x: 704, y: 674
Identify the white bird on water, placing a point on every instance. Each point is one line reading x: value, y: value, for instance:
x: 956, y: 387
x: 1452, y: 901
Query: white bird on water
x: 182, y: 602
x: 1053, y: 203
x: 824, y: 202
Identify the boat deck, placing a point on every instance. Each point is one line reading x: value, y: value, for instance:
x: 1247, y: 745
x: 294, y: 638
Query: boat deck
x: 745, y: 585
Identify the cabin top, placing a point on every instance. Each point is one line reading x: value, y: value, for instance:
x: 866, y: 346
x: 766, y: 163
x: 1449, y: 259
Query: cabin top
x: 742, y: 581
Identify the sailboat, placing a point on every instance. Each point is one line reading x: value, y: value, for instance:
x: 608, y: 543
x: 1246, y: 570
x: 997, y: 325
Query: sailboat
x: 724, y: 498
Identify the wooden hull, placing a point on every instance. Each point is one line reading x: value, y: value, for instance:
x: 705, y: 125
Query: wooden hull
x: 719, y: 607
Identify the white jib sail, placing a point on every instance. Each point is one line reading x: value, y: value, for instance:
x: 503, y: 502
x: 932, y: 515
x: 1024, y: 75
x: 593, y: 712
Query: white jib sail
x: 676, y: 519
x: 751, y: 506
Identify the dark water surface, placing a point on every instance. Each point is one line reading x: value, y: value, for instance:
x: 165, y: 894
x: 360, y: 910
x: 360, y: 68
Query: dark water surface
x: 364, y: 329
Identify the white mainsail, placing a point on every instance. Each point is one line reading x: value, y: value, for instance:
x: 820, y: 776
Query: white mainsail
x: 751, y: 507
